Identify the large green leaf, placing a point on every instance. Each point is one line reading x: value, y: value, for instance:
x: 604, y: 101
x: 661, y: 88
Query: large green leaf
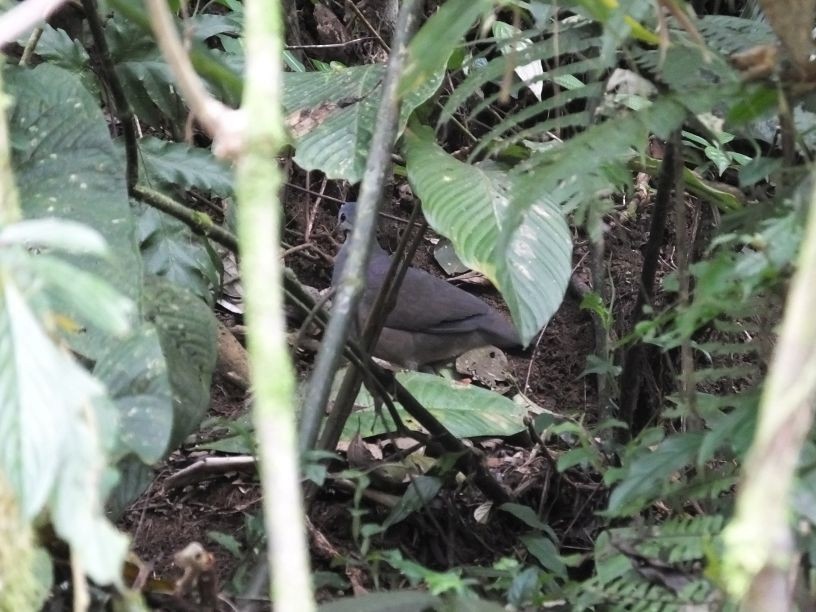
x: 648, y: 475
x: 60, y: 50
x: 171, y: 250
x: 465, y: 410
x: 135, y: 373
x: 147, y: 79
x: 469, y: 204
x: 187, y: 333
x: 55, y: 424
x: 66, y: 166
x: 342, y: 104
x: 177, y: 163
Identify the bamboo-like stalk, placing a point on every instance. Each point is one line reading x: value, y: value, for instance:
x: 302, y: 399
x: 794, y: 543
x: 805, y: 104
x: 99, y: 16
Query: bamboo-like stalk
x: 760, y: 547
x: 258, y: 182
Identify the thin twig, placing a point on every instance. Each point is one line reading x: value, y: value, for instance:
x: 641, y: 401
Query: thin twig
x: 632, y: 375
x: 208, y: 467
x: 351, y: 284
x: 31, y: 46
x: 526, y: 386
x: 370, y: 27
x: 225, y: 125
x: 311, y: 212
x: 199, y: 222
x: 597, y: 248
x: 315, y: 193
x: 687, y: 384
x: 328, y: 46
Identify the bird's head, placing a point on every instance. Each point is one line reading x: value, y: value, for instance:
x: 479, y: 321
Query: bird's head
x: 345, y: 217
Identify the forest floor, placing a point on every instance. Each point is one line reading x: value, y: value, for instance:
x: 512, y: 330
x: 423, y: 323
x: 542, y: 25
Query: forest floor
x: 223, y: 511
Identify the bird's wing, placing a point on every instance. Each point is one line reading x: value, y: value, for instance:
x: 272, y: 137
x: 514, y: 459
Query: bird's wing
x: 429, y: 304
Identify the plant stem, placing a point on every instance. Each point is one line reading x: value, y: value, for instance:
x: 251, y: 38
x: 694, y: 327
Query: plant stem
x: 121, y: 105
x: 258, y: 183
x: 351, y: 284
x: 759, y: 543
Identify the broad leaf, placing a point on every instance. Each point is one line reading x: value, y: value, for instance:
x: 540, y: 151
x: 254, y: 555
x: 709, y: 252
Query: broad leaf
x: 57, y: 234
x: 66, y: 166
x: 545, y: 552
x: 513, y: 42
x: 148, y: 82
x: 391, y: 601
x: 465, y: 410
x: 647, y: 475
x: 470, y: 204
x: 337, y: 112
x: 172, y: 251
x: 432, y: 45
x: 187, y: 333
x: 206, y: 25
x: 55, y: 424
x: 418, y: 495
x: 60, y: 50
x: 135, y: 373
x: 179, y: 164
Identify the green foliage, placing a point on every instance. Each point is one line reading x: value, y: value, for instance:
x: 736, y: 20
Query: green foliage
x: 469, y: 204
x: 57, y: 425
x: 544, y: 138
x: 66, y: 167
x: 465, y: 410
x: 339, y: 108
x: 151, y: 348
x: 171, y: 250
x: 177, y: 164
x: 187, y: 333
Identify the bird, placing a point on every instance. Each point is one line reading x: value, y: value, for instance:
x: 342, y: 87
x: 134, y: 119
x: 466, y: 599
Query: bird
x: 432, y: 320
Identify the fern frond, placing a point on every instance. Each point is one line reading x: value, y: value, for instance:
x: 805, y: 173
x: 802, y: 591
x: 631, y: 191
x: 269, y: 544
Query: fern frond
x: 570, y: 42
x: 730, y: 34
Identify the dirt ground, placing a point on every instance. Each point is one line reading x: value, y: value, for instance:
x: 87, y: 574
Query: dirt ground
x: 223, y: 512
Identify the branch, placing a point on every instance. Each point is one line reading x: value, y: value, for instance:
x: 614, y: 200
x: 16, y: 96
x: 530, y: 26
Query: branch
x: 122, y: 107
x: 632, y: 364
x: 199, y: 222
x: 225, y: 125
x: 351, y: 284
x: 760, y: 547
x: 258, y: 187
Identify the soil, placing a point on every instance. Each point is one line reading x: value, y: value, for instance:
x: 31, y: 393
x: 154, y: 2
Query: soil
x: 223, y: 512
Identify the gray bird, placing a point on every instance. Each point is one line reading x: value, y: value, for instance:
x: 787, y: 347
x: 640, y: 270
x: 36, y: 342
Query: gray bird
x: 432, y: 320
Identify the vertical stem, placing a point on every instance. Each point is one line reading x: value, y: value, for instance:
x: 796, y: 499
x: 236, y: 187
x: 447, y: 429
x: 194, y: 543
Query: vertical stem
x: 352, y: 283
x: 597, y: 250
x: 633, y: 362
x: 120, y: 103
x: 687, y: 383
x: 759, y: 544
x: 258, y: 182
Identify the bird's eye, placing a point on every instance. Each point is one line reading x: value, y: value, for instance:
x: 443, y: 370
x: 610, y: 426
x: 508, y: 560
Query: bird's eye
x: 342, y: 216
